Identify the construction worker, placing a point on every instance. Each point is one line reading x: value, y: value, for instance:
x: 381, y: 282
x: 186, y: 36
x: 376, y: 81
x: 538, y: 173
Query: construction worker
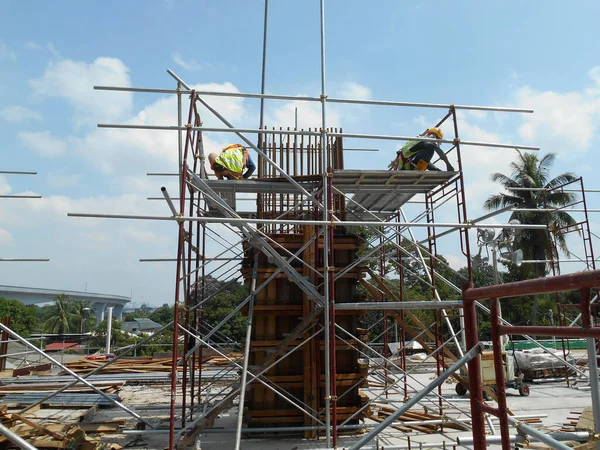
x: 415, y: 155
x: 231, y: 162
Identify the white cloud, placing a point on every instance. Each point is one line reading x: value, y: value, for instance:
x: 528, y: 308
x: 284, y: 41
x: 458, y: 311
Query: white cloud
x: 594, y: 74
x: 43, y: 143
x: 6, y: 52
x: 5, y: 237
x: 116, y: 151
x: 75, y: 81
x: 569, y: 117
x: 143, y: 236
x: 189, y: 64
x: 63, y: 180
x: 17, y: 114
x: 356, y: 91
x: 52, y: 49
x: 31, y: 45
x: 5, y: 188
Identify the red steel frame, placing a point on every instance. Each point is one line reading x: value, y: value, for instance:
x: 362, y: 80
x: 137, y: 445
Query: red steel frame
x: 582, y: 281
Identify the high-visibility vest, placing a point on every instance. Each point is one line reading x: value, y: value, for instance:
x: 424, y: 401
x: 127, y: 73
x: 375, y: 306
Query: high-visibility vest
x: 232, y: 158
x: 406, y: 153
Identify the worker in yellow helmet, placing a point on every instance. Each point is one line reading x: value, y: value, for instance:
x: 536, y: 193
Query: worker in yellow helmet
x: 416, y: 155
x: 231, y: 163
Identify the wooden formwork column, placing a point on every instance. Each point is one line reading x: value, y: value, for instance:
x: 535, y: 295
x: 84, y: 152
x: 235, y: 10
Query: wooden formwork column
x: 311, y: 375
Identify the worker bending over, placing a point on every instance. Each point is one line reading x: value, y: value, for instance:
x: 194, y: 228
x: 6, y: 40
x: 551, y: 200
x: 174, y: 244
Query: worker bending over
x: 415, y: 155
x: 231, y: 163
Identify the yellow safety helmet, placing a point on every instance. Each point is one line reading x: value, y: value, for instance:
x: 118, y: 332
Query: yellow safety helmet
x: 436, y: 131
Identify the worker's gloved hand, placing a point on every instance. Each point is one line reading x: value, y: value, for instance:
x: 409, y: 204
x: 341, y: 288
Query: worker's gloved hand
x: 449, y: 168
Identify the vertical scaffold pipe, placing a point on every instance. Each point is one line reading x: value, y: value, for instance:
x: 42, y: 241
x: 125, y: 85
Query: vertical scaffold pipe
x: 584, y: 304
x: 264, y: 69
x: 330, y: 263
x: 499, y: 371
x: 178, y: 277
x: 238, y: 434
x: 474, y: 366
x: 325, y: 214
x: 179, y: 133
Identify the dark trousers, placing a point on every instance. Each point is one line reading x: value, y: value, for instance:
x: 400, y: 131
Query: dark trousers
x: 426, y: 150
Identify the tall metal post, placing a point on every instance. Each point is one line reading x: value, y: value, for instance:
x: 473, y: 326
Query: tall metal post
x: 180, y: 136
x: 178, y: 281
x: 238, y: 434
x: 474, y: 365
x: 264, y: 71
x: 325, y: 213
x: 109, y: 310
x: 592, y: 359
x: 495, y: 318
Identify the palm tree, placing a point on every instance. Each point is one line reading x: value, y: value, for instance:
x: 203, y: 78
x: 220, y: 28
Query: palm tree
x: 530, y: 172
x: 62, y: 316
x: 82, y: 311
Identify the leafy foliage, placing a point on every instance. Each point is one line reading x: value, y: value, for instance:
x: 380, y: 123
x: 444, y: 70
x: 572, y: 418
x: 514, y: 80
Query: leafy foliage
x: 23, y: 318
x: 530, y: 172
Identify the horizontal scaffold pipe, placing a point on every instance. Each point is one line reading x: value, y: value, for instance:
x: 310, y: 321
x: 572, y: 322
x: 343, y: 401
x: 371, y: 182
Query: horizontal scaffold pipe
x: 20, y: 196
x: 543, y: 210
x: 430, y: 304
x: 343, y: 223
x: 24, y: 260
x: 13, y: 172
x: 560, y: 283
x: 317, y: 99
x: 315, y: 133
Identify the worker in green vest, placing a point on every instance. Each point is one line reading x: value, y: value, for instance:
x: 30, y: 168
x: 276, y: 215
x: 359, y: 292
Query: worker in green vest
x: 416, y: 155
x: 231, y: 163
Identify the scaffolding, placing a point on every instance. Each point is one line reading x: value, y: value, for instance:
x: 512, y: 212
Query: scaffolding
x: 316, y: 253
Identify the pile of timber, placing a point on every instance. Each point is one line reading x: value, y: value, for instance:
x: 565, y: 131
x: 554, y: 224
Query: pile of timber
x: 141, y: 365
x: 36, y: 369
x: 579, y: 421
x: 384, y: 412
x: 108, y: 387
x: 137, y: 365
x: 58, y: 436
x: 555, y: 372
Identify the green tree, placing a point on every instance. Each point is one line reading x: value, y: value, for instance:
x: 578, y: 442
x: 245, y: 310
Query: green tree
x: 118, y: 338
x: 83, y: 317
x: 162, y: 315
x: 217, y: 308
x: 23, y: 318
x: 63, y: 317
x: 531, y: 172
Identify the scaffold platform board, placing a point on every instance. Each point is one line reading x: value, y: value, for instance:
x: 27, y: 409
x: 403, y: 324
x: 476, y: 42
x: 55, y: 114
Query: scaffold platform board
x: 370, y: 192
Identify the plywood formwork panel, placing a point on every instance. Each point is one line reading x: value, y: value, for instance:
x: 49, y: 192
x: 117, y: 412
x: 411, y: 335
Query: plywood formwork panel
x: 277, y: 311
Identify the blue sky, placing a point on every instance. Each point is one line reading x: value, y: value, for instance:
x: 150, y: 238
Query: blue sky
x: 536, y: 54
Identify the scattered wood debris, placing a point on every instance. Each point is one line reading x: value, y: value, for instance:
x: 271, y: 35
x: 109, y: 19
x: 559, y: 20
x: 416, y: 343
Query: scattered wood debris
x: 58, y: 435
x: 384, y: 412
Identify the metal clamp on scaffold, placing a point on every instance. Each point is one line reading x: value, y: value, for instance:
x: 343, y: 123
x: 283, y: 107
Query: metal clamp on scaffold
x: 332, y: 397
x: 329, y: 269
x: 179, y: 218
x: 522, y: 433
x: 456, y: 140
x: 188, y: 125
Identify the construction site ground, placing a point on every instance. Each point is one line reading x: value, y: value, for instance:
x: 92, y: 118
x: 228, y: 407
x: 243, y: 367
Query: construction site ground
x: 557, y: 405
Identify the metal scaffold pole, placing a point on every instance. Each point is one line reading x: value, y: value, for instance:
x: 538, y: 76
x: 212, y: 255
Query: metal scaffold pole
x: 329, y: 329
x: 238, y: 434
